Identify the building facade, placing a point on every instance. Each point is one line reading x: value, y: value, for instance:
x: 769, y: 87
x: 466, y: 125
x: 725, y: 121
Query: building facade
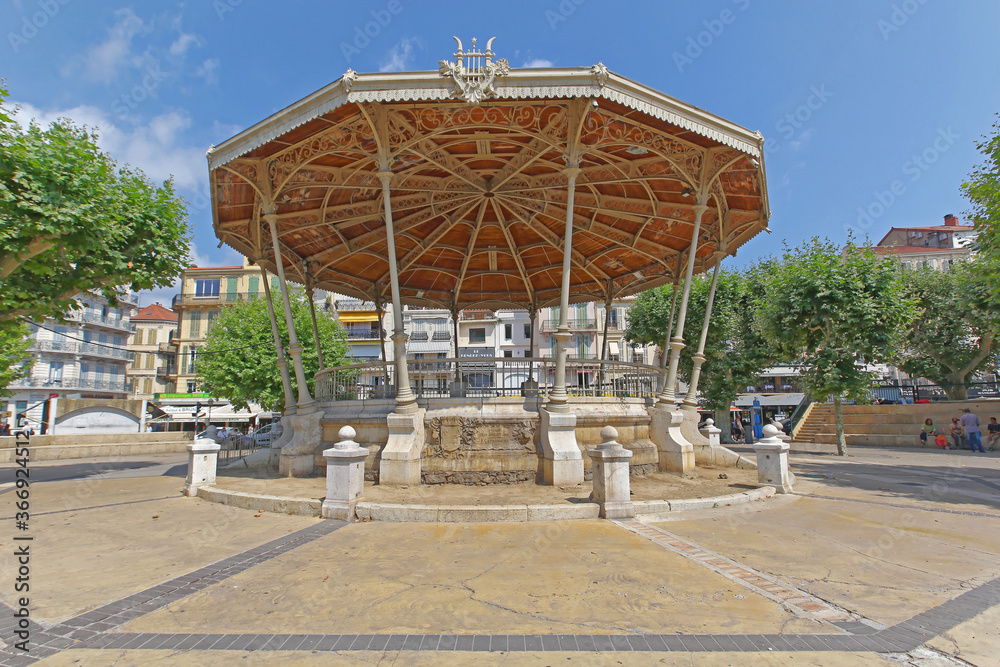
x: 204, y: 292
x: 153, y: 354
x: 84, y: 356
x: 935, y: 247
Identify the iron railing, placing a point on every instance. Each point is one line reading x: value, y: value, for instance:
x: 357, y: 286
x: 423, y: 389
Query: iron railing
x: 116, y: 386
x: 362, y: 333
x: 88, y: 349
x: 353, y: 305
x: 236, y: 445
x: 488, y: 377
x: 476, y: 315
x: 574, y: 324
x: 905, y: 392
x: 215, y: 299
x: 112, y: 321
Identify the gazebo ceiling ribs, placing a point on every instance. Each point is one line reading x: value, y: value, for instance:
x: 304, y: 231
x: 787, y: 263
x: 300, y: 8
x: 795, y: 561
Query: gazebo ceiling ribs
x: 479, y: 196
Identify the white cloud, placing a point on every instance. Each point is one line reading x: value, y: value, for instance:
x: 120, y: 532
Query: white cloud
x: 538, y: 62
x: 399, y: 56
x: 103, y: 61
x: 152, y: 147
x: 183, y: 43
x: 209, y: 70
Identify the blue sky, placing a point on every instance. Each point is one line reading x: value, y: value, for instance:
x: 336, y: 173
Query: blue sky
x: 871, y: 108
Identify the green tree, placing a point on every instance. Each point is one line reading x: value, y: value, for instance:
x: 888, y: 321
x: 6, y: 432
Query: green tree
x: 955, y: 335
x: 833, y: 313
x: 15, y: 339
x: 735, y: 350
x: 983, y: 192
x: 239, y: 362
x: 72, y: 221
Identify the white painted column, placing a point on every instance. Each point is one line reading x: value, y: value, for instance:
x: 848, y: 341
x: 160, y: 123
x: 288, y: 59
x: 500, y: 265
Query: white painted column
x: 53, y: 406
x: 661, y: 398
x: 677, y: 342
x: 312, y: 314
x: 691, y: 400
x: 406, y: 401
x: 142, y: 418
x: 294, y: 349
x: 558, y: 399
x: 286, y: 381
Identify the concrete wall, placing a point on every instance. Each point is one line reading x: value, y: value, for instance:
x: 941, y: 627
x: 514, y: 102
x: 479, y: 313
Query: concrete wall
x: 893, y: 425
x: 58, y: 447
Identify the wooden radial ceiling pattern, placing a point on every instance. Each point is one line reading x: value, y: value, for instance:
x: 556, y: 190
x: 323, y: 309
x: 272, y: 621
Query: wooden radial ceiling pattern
x: 478, y: 197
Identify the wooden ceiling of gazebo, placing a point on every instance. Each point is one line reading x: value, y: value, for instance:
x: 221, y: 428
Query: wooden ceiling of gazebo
x: 478, y: 193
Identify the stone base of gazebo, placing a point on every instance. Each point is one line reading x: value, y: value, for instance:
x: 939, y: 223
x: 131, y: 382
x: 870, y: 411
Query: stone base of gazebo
x: 492, y: 440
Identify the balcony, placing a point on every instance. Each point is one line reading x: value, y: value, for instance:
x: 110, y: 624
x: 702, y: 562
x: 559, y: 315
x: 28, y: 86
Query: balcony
x: 476, y: 315
x: 164, y: 373
x: 362, y: 333
x: 84, y: 349
x: 110, y: 321
x: 164, y: 348
x: 114, y: 386
x: 574, y: 324
x: 221, y: 299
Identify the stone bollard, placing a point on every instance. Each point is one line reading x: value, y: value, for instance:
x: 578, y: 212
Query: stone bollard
x: 612, y: 489
x: 345, y: 476
x: 711, y: 432
x: 203, y: 461
x: 772, y: 461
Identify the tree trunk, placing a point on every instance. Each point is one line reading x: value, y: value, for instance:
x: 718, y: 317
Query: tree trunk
x: 955, y: 388
x: 838, y: 413
x: 724, y: 425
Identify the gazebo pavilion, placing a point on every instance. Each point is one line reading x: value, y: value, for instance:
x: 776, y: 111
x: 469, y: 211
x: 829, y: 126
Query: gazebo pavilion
x: 478, y: 186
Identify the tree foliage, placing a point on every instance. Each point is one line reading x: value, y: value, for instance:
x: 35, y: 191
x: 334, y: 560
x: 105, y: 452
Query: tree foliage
x: 983, y: 192
x: 239, y: 362
x: 71, y: 221
x: 955, y: 335
x: 15, y: 339
x: 832, y: 313
x: 735, y: 350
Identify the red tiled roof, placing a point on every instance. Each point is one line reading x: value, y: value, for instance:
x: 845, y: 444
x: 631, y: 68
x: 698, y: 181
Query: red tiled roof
x: 155, y: 312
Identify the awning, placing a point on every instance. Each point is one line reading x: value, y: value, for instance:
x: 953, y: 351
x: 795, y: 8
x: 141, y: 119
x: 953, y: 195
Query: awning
x: 613, y: 347
x: 347, y: 318
x: 366, y: 351
x: 746, y: 400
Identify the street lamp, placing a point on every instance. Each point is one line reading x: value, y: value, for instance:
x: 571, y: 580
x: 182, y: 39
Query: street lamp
x: 211, y: 402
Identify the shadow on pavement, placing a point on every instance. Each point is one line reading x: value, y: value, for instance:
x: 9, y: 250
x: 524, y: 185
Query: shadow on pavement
x: 81, y: 470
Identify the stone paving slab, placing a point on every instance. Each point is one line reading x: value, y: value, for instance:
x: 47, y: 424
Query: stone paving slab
x: 543, y: 577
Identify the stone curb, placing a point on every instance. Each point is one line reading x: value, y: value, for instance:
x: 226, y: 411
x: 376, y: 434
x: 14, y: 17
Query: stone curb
x: 470, y: 513
x: 258, y: 501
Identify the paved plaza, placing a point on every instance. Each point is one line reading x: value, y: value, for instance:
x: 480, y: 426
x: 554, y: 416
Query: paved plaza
x: 883, y: 557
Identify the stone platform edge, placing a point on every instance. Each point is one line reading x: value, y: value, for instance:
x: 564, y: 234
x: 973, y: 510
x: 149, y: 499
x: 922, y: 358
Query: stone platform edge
x: 87, y: 451
x: 366, y: 511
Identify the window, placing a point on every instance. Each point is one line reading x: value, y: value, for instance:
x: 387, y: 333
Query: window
x: 508, y: 353
x: 55, y: 372
x: 102, y: 338
x: 84, y: 371
x: 194, y: 325
x: 231, y: 294
x: 508, y: 331
x: 117, y: 341
x: 254, y: 286
x: 527, y: 331
x: 150, y: 359
x: 192, y: 386
x: 477, y: 335
x: 207, y: 288
x: 147, y: 386
x: 151, y: 337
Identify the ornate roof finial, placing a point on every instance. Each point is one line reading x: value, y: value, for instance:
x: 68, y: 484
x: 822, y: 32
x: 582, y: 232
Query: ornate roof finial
x: 600, y: 73
x: 349, y: 78
x: 474, y: 71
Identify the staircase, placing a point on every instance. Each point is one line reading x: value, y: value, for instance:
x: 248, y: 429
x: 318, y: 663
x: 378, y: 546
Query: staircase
x: 887, y: 425
x: 815, y: 422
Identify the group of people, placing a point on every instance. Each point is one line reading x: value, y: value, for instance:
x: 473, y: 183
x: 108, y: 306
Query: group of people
x: 964, y: 430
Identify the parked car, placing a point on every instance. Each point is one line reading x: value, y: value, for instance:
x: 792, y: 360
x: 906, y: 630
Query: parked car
x: 261, y: 437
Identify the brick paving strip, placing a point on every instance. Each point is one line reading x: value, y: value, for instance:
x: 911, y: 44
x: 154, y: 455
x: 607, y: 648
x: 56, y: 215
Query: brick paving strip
x: 789, y: 597
x: 93, y: 629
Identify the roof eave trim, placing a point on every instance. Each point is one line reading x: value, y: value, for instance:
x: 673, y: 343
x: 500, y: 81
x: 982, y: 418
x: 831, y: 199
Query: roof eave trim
x: 519, y: 84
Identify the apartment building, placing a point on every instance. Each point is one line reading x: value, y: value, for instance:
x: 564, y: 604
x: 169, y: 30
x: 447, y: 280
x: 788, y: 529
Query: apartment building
x: 83, y: 356
x: 204, y: 292
x: 935, y: 247
x: 153, y: 356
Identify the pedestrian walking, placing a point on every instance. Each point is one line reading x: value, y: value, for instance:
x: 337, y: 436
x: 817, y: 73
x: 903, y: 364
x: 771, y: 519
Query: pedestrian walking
x: 970, y: 429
